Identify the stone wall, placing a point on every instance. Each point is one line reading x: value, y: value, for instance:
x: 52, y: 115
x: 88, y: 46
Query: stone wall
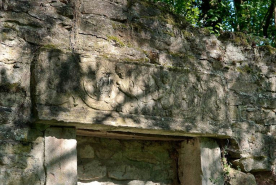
x: 127, y: 161
x: 127, y: 66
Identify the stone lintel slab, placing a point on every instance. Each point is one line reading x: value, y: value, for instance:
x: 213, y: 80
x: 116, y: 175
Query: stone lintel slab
x: 61, y: 156
x: 123, y: 94
x: 200, y: 162
x: 82, y: 118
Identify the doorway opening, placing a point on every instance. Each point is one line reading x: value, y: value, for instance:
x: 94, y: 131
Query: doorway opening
x: 127, y: 159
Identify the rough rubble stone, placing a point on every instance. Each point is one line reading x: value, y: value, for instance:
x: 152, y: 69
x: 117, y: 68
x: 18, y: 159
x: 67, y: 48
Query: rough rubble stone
x: 128, y: 161
x: 238, y: 177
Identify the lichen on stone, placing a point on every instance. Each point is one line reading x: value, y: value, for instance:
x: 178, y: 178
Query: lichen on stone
x: 50, y: 47
x: 115, y: 39
x: 244, y: 69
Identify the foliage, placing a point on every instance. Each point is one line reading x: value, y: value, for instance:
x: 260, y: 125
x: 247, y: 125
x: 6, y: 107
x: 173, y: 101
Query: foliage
x: 253, y: 17
x: 226, y: 166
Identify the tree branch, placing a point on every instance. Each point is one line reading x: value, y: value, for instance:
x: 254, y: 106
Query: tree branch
x: 268, y: 18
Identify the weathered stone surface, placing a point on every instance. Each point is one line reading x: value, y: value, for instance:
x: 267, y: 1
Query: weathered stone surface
x: 131, y: 75
x: 128, y: 172
x: 135, y: 182
x: 128, y: 89
x: 115, y: 72
x: 21, y: 159
x: 61, y: 156
x: 189, y: 162
x: 112, y: 10
x: 127, y: 161
x: 91, y: 170
x: 253, y: 164
x: 200, y: 162
x: 211, y: 167
x: 238, y: 177
x: 86, y: 152
x: 265, y: 178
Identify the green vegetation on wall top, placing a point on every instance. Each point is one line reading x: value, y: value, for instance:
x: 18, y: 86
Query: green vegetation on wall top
x: 255, y: 18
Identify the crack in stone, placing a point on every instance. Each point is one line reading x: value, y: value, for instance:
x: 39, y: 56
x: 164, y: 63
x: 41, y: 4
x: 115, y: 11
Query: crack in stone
x: 74, y: 32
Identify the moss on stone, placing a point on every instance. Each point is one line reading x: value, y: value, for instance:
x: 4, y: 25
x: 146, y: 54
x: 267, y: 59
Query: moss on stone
x: 139, y: 27
x: 11, y: 88
x: 105, y: 56
x: 205, y: 31
x: 145, y: 3
x: 50, y: 47
x: 187, y: 34
x: 169, y: 33
x: 169, y: 19
x: 191, y: 57
x: 139, y: 60
x: 10, y: 26
x: 4, y: 36
x: 164, y: 18
x: 176, y: 54
x: 271, y: 50
x: 241, y: 39
x: 244, y: 69
x: 146, y: 53
x: 129, y: 44
x: 238, y: 38
x: 116, y: 40
x: 178, y: 69
x: 118, y: 26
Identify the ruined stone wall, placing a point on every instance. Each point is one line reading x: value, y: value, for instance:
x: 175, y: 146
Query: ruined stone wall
x: 129, y: 66
x: 127, y: 161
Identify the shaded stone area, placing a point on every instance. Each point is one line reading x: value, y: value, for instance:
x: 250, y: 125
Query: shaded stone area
x: 238, y: 177
x: 265, y: 178
x: 113, y: 161
x: 21, y: 156
x: 134, y: 96
x: 24, y: 27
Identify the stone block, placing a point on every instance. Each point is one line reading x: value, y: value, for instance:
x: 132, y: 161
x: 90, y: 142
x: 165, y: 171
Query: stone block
x: 61, y: 156
x: 200, y: 162
x: 137, y: 96
x: 105, y: 8
x: 91, y: 170
x: 211, y: 166
x: 253, y: 164
x: 86, y: 152
x: 138, y: 182
x: 125, y: 172
x: 127, y: 160
x: 234, y: 53
x: 238, y: 177
x: 265, y: 178
x: 189, y: 163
